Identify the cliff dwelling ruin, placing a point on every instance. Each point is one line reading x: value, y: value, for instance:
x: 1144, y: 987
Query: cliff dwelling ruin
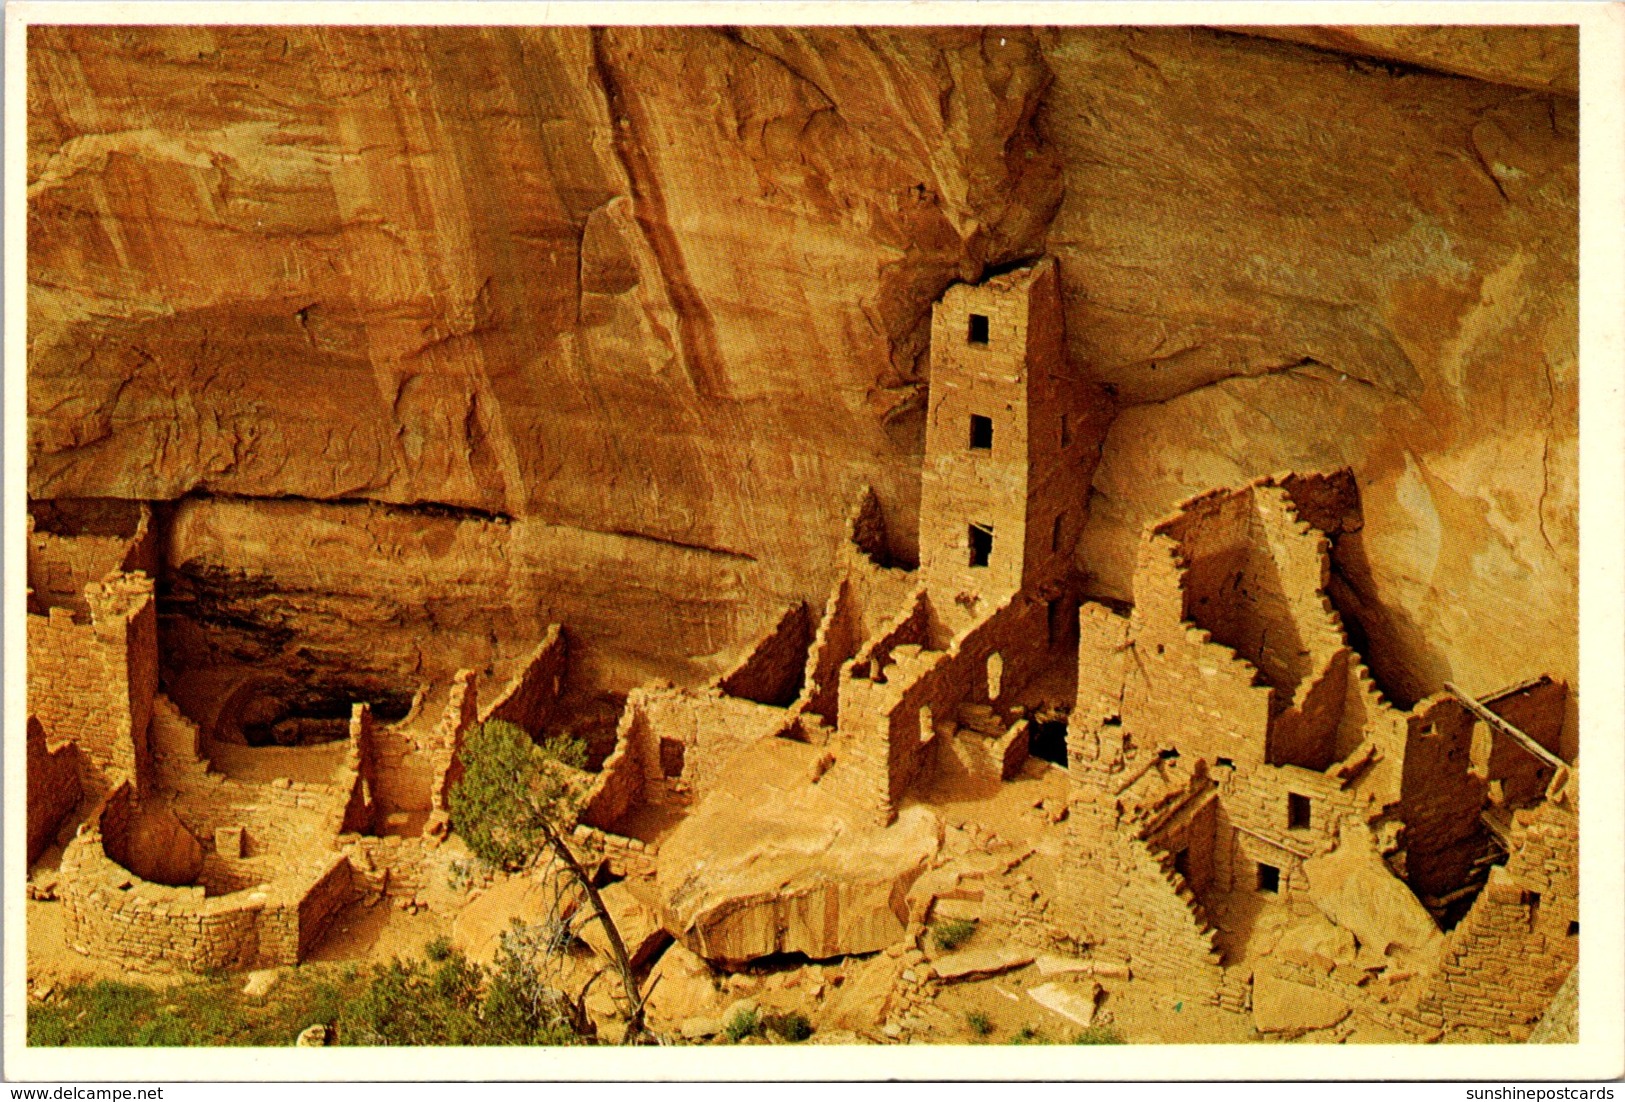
x: 965, y: 688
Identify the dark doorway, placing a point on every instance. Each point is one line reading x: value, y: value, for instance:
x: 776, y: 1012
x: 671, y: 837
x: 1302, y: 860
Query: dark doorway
x: 981, y: 432
x: 981, y: 544
x: 1269, y: 878
x: 978, y: 331
x: 1048, y: 741
x: 1297, y: 811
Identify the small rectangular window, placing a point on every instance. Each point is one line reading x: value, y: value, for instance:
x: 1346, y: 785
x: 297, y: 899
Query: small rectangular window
x: 981, y: 544
x: 1574, y: 928
x: 977, y: 333
x: 1182, y: 863
x: 981, y: 432
x: 1066, y: 432
x: 1057, y: 533
x: 1269, y: 878
x: 1297, y: 811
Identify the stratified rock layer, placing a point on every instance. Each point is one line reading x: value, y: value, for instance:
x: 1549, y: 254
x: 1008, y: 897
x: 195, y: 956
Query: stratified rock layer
x: 663, y: 293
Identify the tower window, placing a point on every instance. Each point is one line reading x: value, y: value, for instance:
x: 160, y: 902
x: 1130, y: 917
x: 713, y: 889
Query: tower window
x: 1269, y: 878
x: 1066, y: 432
x: 1057, y: 532
x: 981, y: 432
x: 1297, y: 811
x: 977, y: 333
x: 981, y: 544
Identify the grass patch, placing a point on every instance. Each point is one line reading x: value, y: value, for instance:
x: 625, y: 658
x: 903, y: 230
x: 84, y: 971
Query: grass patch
x: 1098, y: 1035
x: 211, y: 1011
x: 952, y: 934
x: 979, y: 1023
x: 1029, y: 1036
x: 444, y: 999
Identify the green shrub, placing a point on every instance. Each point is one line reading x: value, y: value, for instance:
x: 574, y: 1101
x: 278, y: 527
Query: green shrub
x: 792, y: 1027
x: 1098, y: 1035
x: 746, y: 1022
x: 980, y: 1024
x: 951, y: 934
x: 458, y: 1002
x: 1029, y: 1036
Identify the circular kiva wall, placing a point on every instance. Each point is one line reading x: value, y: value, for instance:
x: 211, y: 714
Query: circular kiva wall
x: 114, y: 914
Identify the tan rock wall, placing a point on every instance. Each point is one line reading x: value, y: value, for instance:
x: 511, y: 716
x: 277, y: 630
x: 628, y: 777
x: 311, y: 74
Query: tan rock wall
x: 53, y: 787
x: 478, y: 287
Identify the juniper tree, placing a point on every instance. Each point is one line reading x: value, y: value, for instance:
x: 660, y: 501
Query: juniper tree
x: 516, y: 803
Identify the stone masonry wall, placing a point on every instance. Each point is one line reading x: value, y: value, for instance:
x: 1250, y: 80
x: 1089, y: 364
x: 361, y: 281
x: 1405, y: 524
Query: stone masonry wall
x: 112, y: 914
x: 93, y: 683
x: 1535, y: 708
x: 61, y: 566
x: 530, y: 699
x: 772, y: 671
x: 620, y: 786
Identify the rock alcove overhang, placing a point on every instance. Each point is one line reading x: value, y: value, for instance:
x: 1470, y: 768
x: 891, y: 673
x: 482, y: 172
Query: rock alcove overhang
x: 1277, y: 256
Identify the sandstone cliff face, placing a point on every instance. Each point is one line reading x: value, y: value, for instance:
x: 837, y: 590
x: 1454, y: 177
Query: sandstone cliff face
x: 657, y: 301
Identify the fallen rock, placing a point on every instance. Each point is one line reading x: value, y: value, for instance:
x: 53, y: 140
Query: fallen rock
x: 1281, y: 1005
x: 972, y: 963
x: 1051, y: 965
x: 1070, y: 1002
x: 956, y: 910
x: 755, y: 871
x: 1354, y: 888
x: 865, y: 996
x: 161, y: 849
x: 312, y: 1036
x: 260, y: 983
x: 1316, y: 942
x: 639, y: 927
x: 681, y: 987
x: 532, y: 899
x: 695, y: 1029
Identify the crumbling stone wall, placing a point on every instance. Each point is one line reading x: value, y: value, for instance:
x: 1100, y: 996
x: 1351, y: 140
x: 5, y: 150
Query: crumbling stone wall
x: 1507, y: 958
x: 462, y: 711
x: 772, y: 671
x: 620, y: 786
x: 93, y: 683
x: 74, y: 544
x: 1120, y: 893
x: 867, y: 590
x: 1441, y: 798
x: 1536, y: 708
x: 531, y: 698
x: 697, y: 731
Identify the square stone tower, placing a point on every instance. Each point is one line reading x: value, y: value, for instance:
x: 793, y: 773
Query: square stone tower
x: 1011, y: 441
